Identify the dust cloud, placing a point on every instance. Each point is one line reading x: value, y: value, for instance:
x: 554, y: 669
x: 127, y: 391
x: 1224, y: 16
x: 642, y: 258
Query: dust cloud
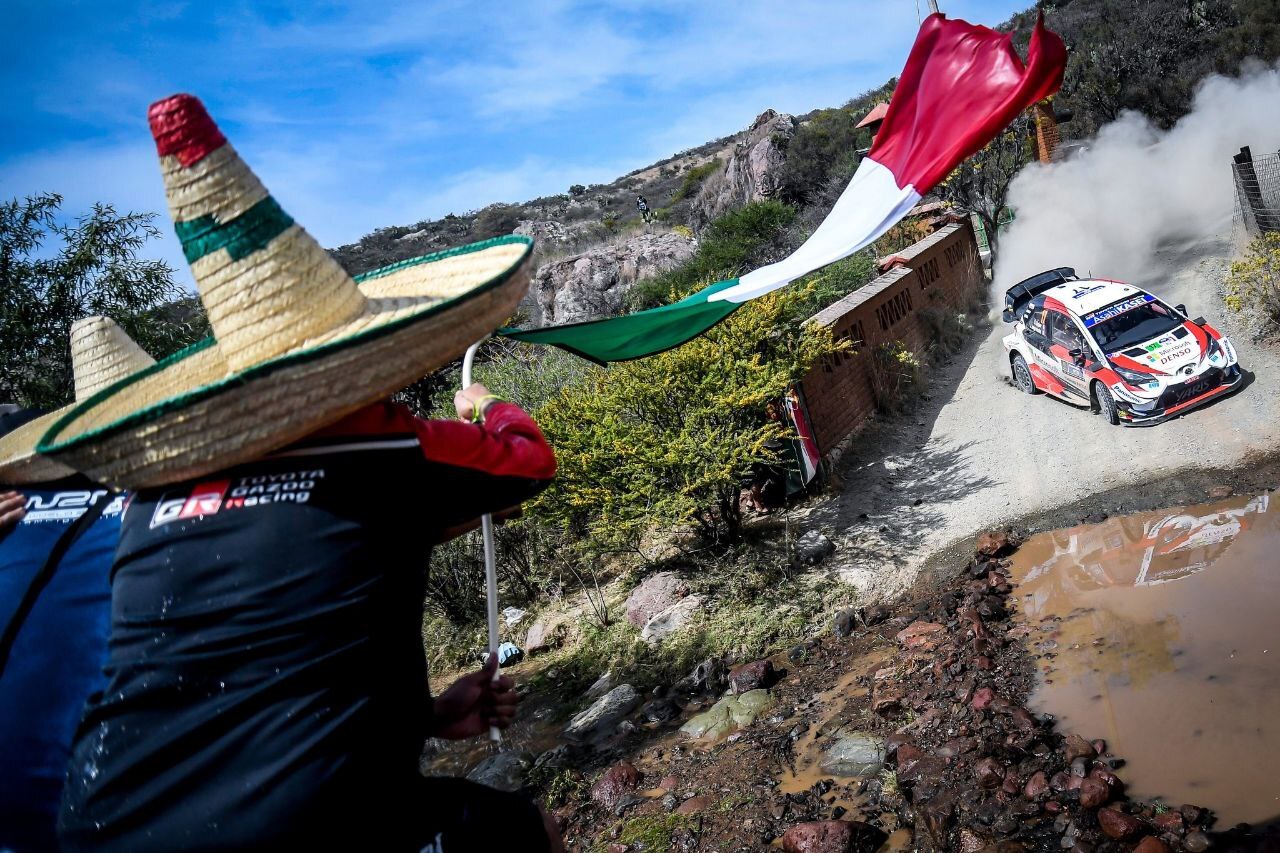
x: 1106, y: 210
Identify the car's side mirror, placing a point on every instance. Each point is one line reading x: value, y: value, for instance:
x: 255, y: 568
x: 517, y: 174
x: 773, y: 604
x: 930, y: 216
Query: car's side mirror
x: 1007, y: 315
x: 1077, y: 355
x: 1181, y: 309
x: 1199, y: 321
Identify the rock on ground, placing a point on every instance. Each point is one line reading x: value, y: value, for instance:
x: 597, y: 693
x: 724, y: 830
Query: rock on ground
x: 812, y: 547
x: 595, y: 283
x: 832, y: 836
x: 671, y: 620
x: 730, y: 713
x: 615, y: 783
x: 752, y: 676
x: 654, y: 594
x: 605, y: 713
x: 504, y: 771
x: 856, y: 754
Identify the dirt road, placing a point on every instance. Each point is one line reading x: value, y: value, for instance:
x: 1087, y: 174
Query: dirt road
x: 978, y: 453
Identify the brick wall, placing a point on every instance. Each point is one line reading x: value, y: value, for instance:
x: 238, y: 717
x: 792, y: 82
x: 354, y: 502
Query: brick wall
x: 941, y: 270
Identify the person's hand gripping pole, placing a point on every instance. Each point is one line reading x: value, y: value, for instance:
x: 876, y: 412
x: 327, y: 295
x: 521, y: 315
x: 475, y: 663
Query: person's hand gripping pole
x: 490, y: 562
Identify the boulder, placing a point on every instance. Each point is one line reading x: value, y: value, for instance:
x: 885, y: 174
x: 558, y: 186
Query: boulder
x: 707, y: 677
x: 595, y: 283
x: 599, y: 687
x: 994, y: 544
x: 729, y: 714
x: 854, y: 755
x: 812, y: 547
x: 544, y: 634
x: 1116, y: 824
x: 752, y: 676
x: 832, y: 836
x: 925, y: 636
x: 751, y: 171
x: 654, y: 594
x: 671, y: 620
x: 504, y: 771
x: 616, y: 782
x: 605, y: 713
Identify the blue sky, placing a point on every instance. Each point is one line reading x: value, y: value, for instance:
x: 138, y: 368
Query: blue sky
x: 361, y: 115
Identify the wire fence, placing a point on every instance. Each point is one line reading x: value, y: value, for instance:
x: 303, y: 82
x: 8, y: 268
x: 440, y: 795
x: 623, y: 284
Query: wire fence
x: 1257, y: 191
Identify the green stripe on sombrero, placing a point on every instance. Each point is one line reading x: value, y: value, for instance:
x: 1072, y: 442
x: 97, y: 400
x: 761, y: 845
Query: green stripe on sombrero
x: 50, y: 443
x: 241, y: 237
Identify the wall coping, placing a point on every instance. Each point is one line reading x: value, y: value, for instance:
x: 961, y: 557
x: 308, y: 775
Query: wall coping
x: 833, y: 312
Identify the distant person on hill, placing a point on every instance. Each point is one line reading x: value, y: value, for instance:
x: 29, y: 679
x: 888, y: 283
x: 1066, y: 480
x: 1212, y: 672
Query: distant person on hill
x: 643, y: 206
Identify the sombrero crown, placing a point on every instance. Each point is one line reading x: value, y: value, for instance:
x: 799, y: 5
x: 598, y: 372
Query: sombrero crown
x: 101, y: 355
x: 297, y: 343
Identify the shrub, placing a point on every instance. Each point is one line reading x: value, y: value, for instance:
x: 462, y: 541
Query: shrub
x: 1254, y: 281
x: 495, y: 221
x: 694, y: 178
x: 668, y: 440
x: 894, y: 369
x: 577, y: 190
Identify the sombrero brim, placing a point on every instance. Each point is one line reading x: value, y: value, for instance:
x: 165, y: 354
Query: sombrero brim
x: 19, y: 461
x: 190, y: 415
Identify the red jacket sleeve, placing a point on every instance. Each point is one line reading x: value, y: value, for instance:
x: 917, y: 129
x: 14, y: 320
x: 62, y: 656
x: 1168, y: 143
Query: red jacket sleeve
x: 507, y: 444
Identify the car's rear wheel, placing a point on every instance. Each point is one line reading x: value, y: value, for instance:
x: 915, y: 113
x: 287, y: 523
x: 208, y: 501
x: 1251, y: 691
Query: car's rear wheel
x: 1022, y: 375
x: 1106, y: 404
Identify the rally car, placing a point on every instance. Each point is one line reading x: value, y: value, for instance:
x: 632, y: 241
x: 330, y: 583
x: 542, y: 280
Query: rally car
x: 1113, y: 347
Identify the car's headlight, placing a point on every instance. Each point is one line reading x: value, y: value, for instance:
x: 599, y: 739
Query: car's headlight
x: 1133, y: 377
x: 1214, y: 350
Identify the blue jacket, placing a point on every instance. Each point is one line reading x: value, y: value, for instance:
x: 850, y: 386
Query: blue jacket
x: 57, y: 658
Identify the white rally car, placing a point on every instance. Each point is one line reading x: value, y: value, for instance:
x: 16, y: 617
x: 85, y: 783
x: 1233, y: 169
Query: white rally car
x: 1113, y: 347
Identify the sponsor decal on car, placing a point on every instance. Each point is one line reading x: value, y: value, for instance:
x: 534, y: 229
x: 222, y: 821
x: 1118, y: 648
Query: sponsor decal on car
x: 1116, y: 310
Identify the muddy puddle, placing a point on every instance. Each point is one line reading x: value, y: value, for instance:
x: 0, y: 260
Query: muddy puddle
x: 1160, y: 632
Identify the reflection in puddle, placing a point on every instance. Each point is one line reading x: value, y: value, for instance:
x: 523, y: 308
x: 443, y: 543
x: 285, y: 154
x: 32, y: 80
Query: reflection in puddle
x: 1158, y: 632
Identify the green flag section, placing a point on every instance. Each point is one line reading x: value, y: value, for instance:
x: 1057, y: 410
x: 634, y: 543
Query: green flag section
x: 636, y: 335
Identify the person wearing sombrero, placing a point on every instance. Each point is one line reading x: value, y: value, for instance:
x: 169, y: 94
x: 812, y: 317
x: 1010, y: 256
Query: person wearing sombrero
x: 267, y: 678
x: 58, y: 534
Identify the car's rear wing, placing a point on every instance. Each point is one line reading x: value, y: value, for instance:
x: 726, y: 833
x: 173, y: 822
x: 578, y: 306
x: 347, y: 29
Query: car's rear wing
x: 1016, y: 297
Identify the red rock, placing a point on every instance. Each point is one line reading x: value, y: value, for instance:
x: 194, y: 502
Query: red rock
x: 752, y: 676
x: 1169, y: 822
x: 1037, y: 786
x: 1099, y: 746
x: 989, y: 772
x: 1077, y: 747
x: 1012, y: 785
x: 1106, y: 777
x: 1094, y: 793
x: 984, y: 663
x: 971, y: 842
x: 1059, y: 781
x: 669, y: 783
x: 616, y: 781
x: 1151, y: 844
x: 693, y: 805
x: 907, y: 754
x: 1116, y: 824
x: 831, y: 836
x: 993, y: 543
x: 1219, y: 492
x: 922, y: 635
x: 616, y: 847
x: 1022, y: 719
x: 1192, y: 814
x: 982, y: 697
x: 1053, y: 806
x: 885, y: 697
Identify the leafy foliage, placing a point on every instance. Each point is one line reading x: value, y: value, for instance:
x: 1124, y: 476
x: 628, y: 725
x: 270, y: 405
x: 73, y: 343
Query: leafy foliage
x: 694, y: 178
x: 669, y: 440
x: 729, y: 245
x: 980, y: 184
x: 1254, y: 281
x: 53, y: 273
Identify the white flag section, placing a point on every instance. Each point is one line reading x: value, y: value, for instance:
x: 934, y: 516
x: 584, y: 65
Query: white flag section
x: 961, y: 87
x: 871, y: 205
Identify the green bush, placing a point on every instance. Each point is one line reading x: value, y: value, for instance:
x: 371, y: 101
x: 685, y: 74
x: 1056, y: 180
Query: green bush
x: 668, y: 440
x: 728, y: 246
x: 1254, y: 281
x: 694, y: 178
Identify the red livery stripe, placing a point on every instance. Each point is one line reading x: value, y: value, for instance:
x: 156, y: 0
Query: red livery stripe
x: 183, y: 128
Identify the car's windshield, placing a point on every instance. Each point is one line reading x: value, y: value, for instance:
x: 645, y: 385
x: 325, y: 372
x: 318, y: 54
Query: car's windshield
x: 1131, y: 321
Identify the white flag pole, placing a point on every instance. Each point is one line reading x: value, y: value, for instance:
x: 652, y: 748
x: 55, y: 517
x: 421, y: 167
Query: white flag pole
x: 490, y: 561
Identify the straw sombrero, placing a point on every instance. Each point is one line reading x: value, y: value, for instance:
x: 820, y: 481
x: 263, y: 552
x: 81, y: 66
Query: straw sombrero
x: 101, y: 355
x: 297, y: 343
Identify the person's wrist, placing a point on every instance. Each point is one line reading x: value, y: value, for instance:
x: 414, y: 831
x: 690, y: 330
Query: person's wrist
x: 481, y: 405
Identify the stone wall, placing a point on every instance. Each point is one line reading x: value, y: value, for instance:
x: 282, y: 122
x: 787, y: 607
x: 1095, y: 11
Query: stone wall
x: 941, y: 272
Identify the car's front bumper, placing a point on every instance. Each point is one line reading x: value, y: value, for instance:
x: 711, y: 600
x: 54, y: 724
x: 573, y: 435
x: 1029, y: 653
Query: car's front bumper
x: 1175, y: 400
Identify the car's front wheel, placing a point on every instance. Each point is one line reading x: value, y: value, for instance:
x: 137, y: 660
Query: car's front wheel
x: 1022, y: 375
x: 1106, y: 404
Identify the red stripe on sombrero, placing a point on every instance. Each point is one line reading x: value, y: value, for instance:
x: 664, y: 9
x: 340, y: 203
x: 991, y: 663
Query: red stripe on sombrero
x: 183, y: 128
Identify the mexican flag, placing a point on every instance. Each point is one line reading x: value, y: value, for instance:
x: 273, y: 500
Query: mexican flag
x: 962, y: 85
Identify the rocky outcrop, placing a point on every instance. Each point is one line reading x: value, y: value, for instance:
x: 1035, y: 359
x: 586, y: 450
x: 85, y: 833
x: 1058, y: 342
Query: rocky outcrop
x: 595, y: 283
x: 751, y: 172
x: 654, y: 594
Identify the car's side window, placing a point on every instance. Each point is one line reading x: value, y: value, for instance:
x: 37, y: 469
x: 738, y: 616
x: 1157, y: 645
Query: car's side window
x: 1065, y: 333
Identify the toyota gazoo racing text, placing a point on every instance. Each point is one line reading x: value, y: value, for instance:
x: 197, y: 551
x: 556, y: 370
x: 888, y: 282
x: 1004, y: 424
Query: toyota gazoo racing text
x: 1113, y: 347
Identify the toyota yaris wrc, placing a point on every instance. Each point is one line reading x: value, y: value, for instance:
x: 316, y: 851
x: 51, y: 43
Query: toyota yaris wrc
x: 1113, y: 347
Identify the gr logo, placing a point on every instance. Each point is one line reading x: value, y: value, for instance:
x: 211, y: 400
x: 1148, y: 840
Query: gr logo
x: 204, y: 499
